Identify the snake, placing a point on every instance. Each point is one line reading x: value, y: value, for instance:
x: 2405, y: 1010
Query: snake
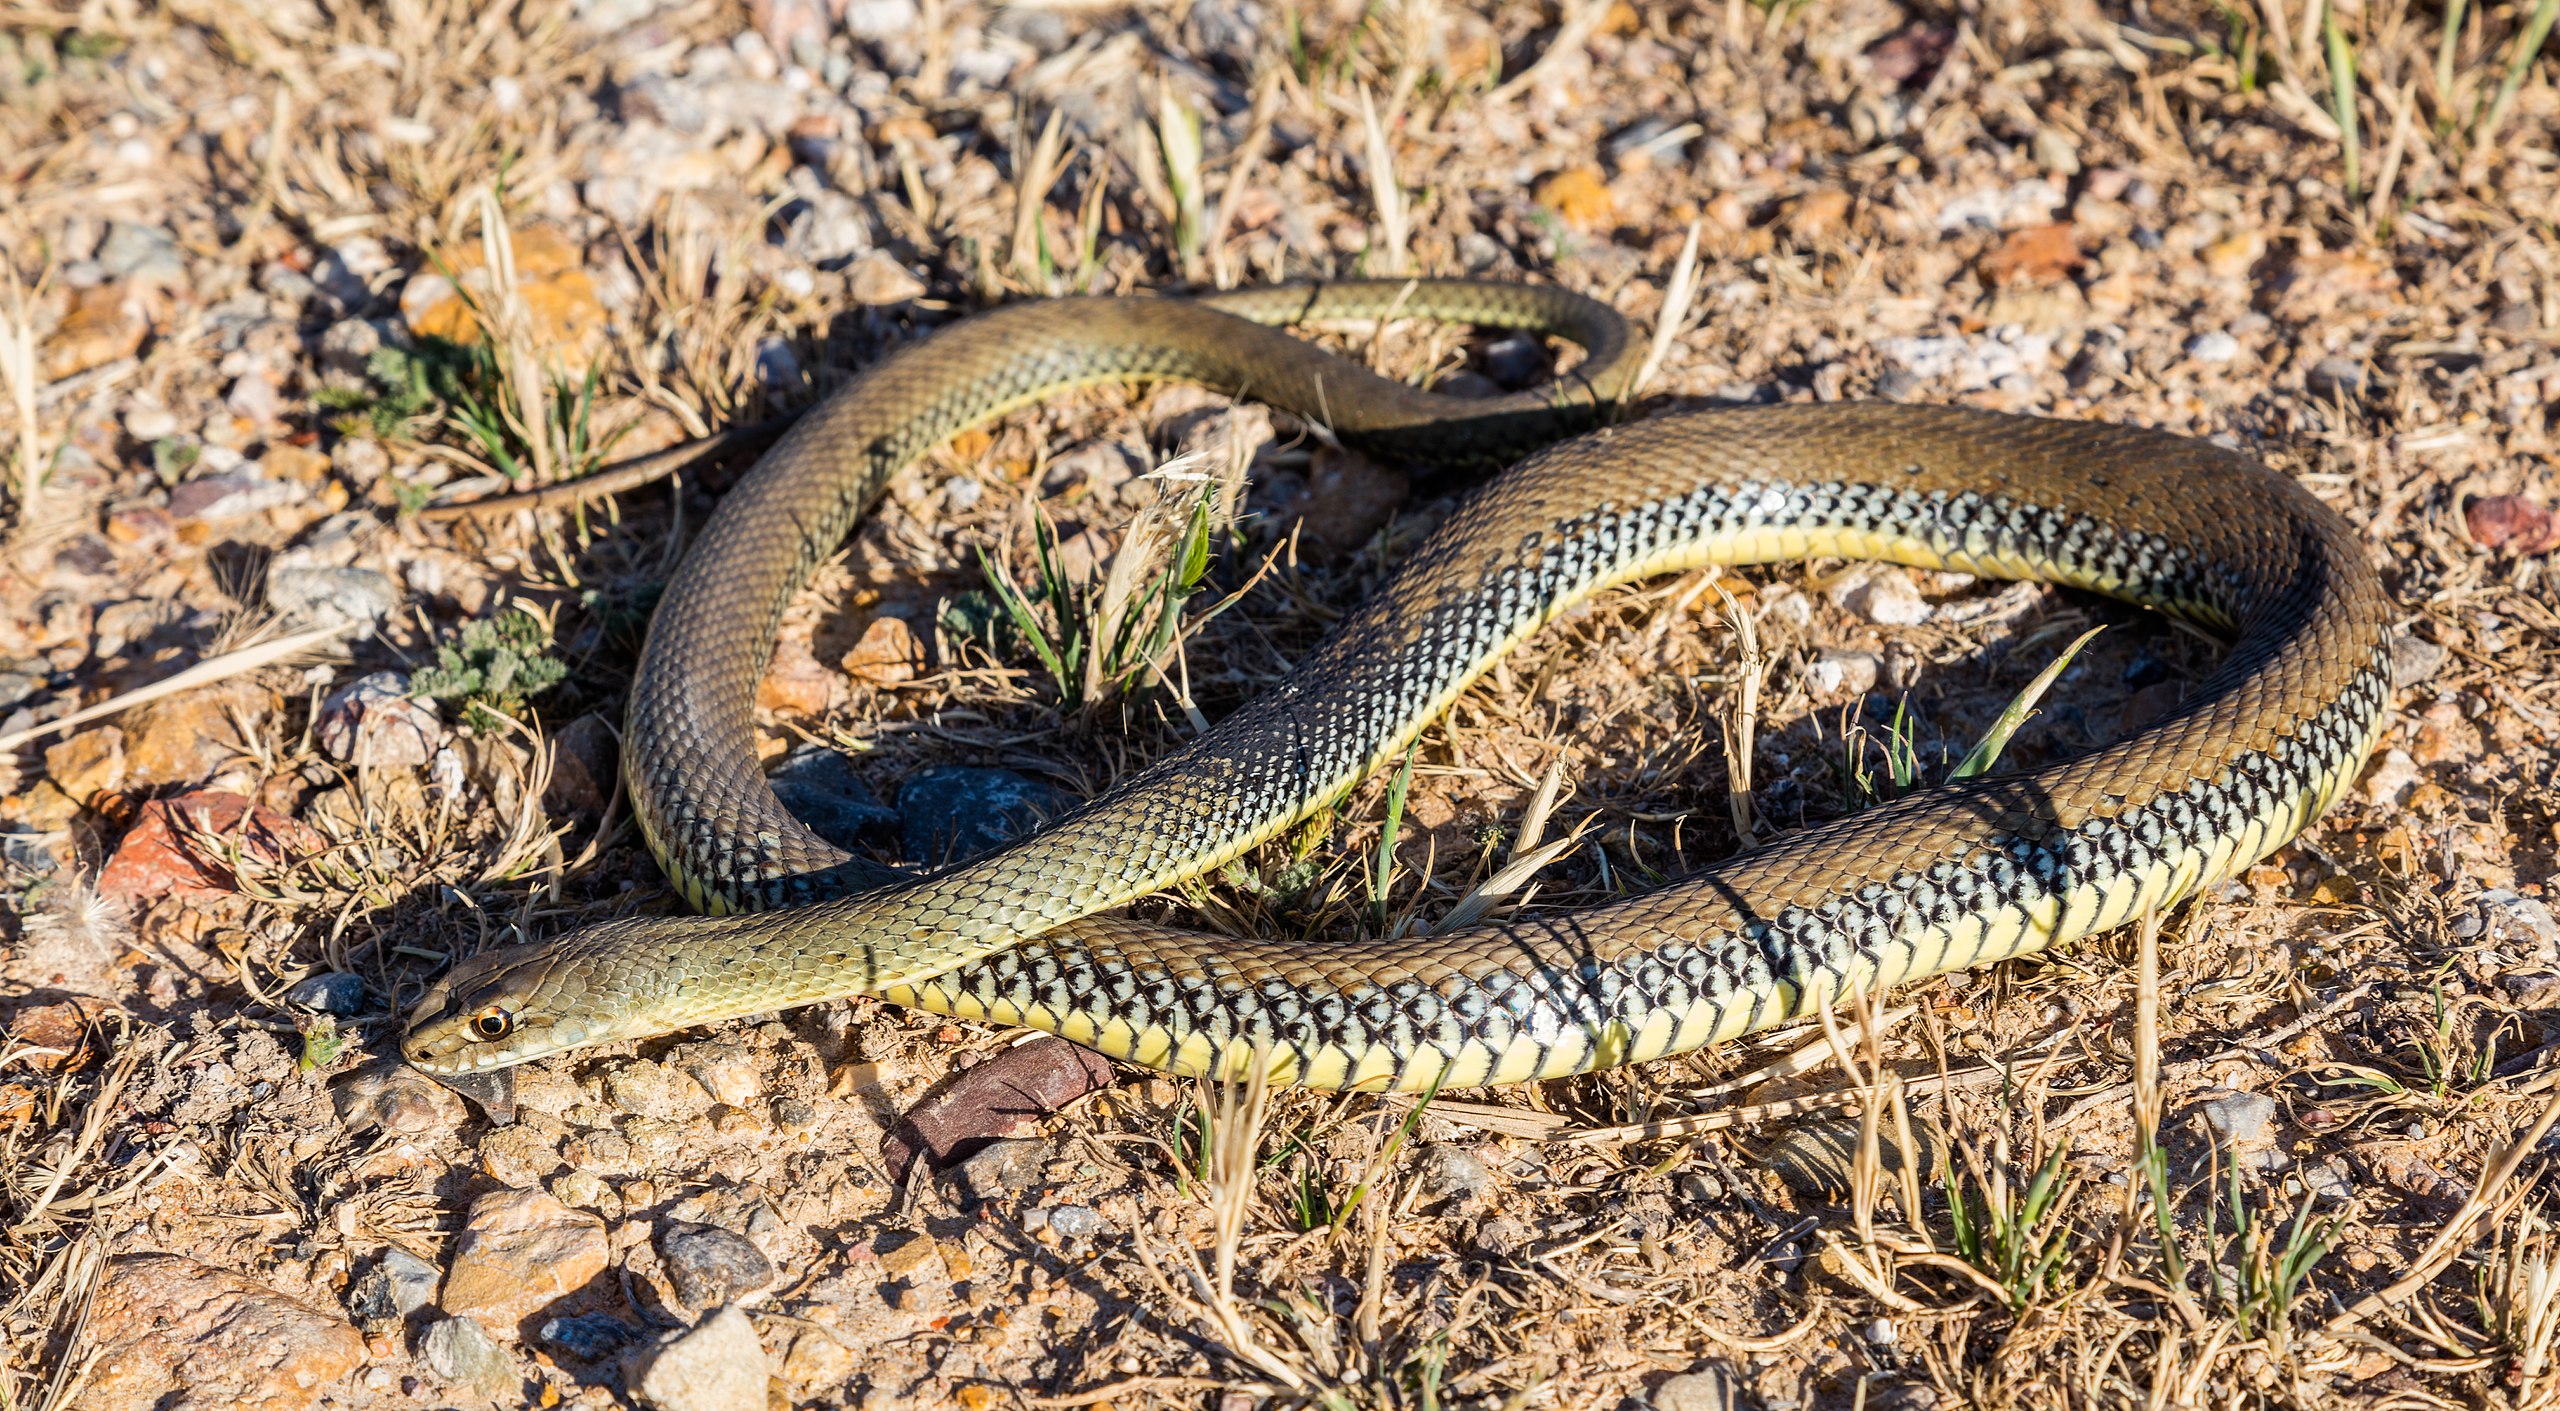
x: 1034, y: 933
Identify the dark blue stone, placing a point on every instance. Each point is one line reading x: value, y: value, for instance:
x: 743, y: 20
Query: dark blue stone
x: 953, y: 813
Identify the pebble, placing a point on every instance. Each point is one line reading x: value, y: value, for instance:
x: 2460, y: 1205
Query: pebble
x: 460, y: 1350
x: 1844, y: 671
x: 2325, y: 1181
x: 719, y: 1365
x: 951, y: 813
x: 903, y: 1260
x: 645, y: 1088
x: 2214, y: 347
x: 1885, y: 596
x: 878, y: 281
x: 820, y: 788
x: 2245, y: 1124
x: 171, y: 1334
x: 2512, y: 524
x: 1516, y: 360
x: 149, y: 424
x: 1452, y: 1173
x: 398, y: 1284
x: 328, y: 597
x: 2506, y: 916
x: 1817, y: 1156
x: 588, y: 1337
x: 1708, y: 1386
x: 584, y: 759
x: 2414, y: 659
x: 1075, y: 1221
x: 135, y: 251
x: 711, y: 1266
x: 2392, y: 777
x: 237, y: 495
x: 87, y: 764
x: 830, y: 230
x: 2537, y: 989
x: 520, y: 1250
x: 726, y: 1071
x: 880, y: 19
x: 2336, y: 377
x: 346, y: 349
x: 888, y: 652
x: 393, y: 1097
x: 372, y: 723
x: 334, y: 992
x: 1004, y: 1168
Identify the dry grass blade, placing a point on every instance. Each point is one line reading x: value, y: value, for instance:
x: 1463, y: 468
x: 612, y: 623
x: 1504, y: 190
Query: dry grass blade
x: 1580, y: 23
x: 1234, y: 1113
x: 1388, y: 256
x: 1037, y: 173
x: 1677, y: 296
x: 1740, y: 719
x: 204, y: 673
x: 2486, y: 1200
x: 19, y: 372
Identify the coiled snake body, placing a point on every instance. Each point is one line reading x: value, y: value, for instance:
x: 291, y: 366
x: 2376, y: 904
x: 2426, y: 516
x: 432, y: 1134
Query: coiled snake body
x: 1950, y: 877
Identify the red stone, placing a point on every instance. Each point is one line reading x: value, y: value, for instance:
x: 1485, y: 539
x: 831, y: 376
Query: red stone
x: 184, y: 846
x: 2513, y: 524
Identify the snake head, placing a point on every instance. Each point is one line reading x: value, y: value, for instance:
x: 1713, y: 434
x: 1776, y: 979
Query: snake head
x: 496, y: 1010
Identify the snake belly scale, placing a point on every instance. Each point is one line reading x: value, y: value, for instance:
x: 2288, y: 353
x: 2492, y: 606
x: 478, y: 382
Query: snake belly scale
x: 1951, y: 877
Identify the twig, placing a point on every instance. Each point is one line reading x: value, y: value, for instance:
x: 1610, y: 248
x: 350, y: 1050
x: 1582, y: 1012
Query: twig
x: 1571, y: 35
x: 203, y: 673
x: 627, y: 475
x: 1676, y: 298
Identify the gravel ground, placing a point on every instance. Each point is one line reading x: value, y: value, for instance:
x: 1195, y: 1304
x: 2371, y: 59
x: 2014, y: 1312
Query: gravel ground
x: 279, y: 279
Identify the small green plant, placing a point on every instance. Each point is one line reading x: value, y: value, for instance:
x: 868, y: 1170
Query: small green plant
x: 1900, y: 748
x: 172, y: 458
x: 321, y: 1043
x: 2265, y: 1277
x: 1382, y: 872
x: 2018, y: 1238
x: 493, y: 667
x: 464, y: 386
x: 401, y: 386
x: 1100, y: 640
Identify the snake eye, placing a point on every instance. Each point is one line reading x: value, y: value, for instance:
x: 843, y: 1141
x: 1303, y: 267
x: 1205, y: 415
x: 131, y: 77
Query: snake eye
x: 493, y: 1023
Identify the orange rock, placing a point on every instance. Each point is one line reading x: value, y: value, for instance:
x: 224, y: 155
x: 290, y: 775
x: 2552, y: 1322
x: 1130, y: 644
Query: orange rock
x: 103, y: 325
x: 564, y: 319
x: 902, y: 129
x: 296, y: 463
x: 888, y: 653
x: 1816, y: 216
x: 172, y: 1333
x: 186, y: 737
x: 520, y: 1251
x: 87, y: 763
x: 2234, y: 255
x: 56, y: 1036
x: 1580, y: 195
x: 2444, y: 736
x: 2043, y: 254
x: 796, y: 684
